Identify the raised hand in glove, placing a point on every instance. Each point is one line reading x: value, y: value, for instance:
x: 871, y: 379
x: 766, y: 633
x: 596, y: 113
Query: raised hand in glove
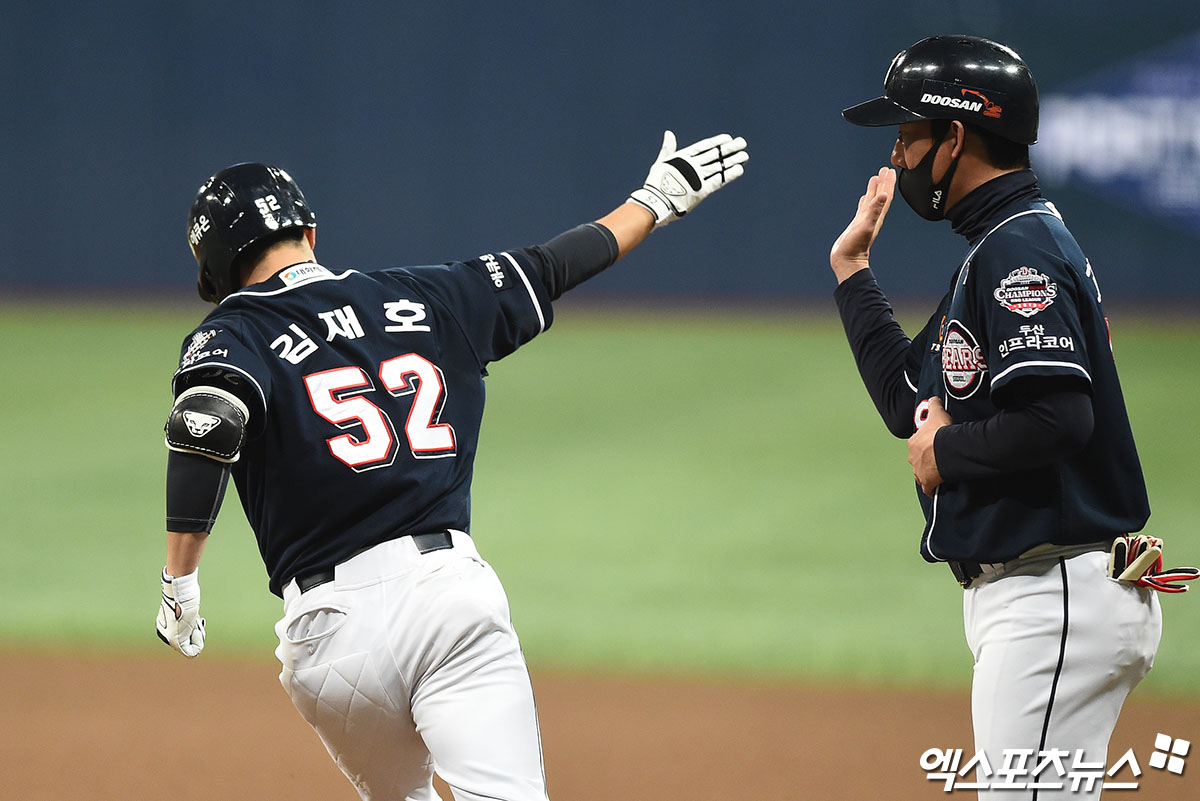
x: 1138, y: 559
x: 680, y: 178
x: 179, y: 623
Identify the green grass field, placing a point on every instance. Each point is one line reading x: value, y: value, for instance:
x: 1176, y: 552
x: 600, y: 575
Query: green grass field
x: 660, y: 491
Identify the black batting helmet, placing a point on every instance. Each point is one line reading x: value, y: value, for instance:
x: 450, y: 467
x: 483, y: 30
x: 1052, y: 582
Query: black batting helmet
x: 234, y: 209
x: 957, y: 78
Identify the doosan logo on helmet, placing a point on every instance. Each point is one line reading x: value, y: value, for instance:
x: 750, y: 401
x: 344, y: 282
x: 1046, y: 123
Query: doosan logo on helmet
x: 987, y: 107
x: 952, y: 102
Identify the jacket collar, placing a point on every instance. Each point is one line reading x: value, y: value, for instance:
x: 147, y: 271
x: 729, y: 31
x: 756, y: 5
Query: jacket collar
x: 973, y: 215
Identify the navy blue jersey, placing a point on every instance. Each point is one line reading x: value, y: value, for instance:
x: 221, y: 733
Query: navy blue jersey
x: 365, y: 393
x: 1025, y: 309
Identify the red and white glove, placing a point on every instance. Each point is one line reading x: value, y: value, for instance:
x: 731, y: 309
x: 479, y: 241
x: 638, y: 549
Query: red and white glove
x: 680, y: 178
x: 1138, y: 559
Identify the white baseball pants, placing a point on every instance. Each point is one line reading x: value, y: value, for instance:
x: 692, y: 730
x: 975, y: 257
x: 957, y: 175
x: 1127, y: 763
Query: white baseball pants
x: 408, y: 663
x: 1058, y: 647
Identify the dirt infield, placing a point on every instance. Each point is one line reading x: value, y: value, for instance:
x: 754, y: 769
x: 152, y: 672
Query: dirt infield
x: 103, y: 728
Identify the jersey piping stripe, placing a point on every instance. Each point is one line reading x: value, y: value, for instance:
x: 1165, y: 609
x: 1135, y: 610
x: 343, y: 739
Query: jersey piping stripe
x: 528, y: 288
x: 908, y: 381
x: 1062, y: 654
x: 313, y: 280
x: 971, y: 255
x: 257, y: 386
x: 965, y: 270
x: 1071, y: 365
x: 932, y: 523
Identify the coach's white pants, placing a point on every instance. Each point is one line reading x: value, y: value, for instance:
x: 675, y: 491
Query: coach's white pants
x: 407, y: 663
x: 1058, y: 647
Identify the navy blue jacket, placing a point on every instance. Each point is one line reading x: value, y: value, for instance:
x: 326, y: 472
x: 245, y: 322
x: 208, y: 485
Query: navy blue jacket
x: 1023, y: 317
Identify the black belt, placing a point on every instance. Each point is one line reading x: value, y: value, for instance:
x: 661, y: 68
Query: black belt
x: 437, y: 541
x: 966, y: 572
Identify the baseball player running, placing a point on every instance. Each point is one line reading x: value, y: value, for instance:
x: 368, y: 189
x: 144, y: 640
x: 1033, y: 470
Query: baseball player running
x: 1017, y: 432
x: 347, y: 406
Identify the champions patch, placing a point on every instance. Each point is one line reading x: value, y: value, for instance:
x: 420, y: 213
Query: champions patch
x: 963, y: 365
x: 495, y: 271
x: 1026, y: 292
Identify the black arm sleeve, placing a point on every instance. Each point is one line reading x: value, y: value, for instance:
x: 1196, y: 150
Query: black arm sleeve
x: 879, y: 346
x: 1038, y: 433
x: 195, y: 489
x: 574, y: 256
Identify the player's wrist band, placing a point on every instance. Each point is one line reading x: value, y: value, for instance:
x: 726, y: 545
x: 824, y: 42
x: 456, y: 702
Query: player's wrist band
x: 654, y: 202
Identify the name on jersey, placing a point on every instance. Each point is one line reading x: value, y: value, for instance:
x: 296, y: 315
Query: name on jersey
x: 963, y: 365
x: 294, y: 345
x: 1034, y: 337
x: 1026, y: 291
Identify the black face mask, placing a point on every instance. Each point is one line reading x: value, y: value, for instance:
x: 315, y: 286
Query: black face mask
x: 916, y: 185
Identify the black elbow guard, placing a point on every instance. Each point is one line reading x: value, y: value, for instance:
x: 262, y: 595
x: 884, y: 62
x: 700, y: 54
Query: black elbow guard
x: 208, y: 421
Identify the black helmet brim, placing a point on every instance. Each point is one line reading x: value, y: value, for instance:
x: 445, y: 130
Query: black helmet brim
x: 880, y: 111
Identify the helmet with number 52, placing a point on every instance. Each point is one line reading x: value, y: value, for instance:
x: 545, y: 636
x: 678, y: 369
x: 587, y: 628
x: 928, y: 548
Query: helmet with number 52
x: 239, y: 206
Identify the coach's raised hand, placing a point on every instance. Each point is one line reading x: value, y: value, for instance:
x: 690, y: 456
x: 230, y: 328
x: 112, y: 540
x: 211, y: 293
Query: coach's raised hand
x: 851, y: 251
x: 682, y: 177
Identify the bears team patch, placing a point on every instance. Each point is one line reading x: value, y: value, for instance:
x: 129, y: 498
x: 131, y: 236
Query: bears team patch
x: 963, y: 365
x: 1026, y: 291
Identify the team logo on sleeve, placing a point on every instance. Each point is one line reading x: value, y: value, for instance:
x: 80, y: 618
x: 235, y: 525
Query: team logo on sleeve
x: 495, y: 271
x: 195, y: 349
x: 963, y: 365
x: 1026, y: 291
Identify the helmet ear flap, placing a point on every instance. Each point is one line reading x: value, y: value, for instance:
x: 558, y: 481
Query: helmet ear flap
x: 205, y: 288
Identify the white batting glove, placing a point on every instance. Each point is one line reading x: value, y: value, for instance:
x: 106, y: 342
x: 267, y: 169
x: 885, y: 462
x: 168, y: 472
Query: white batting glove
x: 179, y: 623
x: 680, y: 179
